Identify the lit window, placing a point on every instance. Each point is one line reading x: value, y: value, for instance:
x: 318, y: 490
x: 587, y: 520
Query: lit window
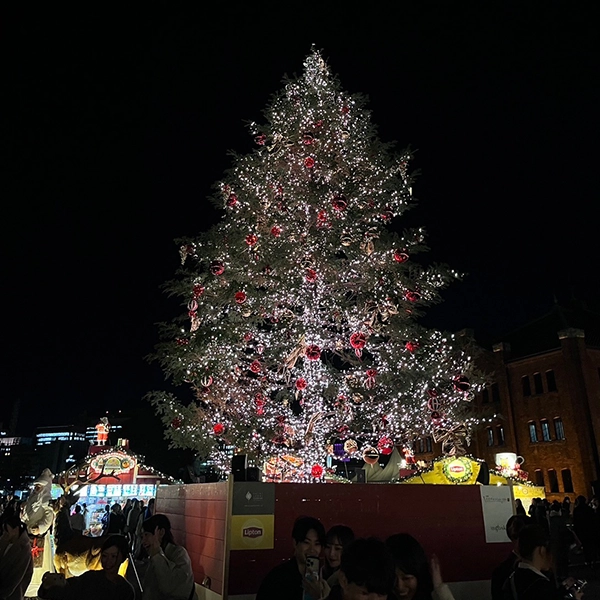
x: 537, y: 382
x: 545, y: 430
x: 526, y: 385
x: 533, y: 436
x: 490, y: 436
x: 559, y: 429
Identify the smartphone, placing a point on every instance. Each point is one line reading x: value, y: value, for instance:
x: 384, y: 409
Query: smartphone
x: 312, y: 567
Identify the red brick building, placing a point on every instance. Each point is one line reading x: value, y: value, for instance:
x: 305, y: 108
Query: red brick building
x: 546, y: 391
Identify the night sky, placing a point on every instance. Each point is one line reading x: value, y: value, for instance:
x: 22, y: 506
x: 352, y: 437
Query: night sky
x: 114, y: 130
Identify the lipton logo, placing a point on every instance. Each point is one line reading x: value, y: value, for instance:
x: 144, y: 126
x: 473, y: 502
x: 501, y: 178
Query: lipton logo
x: 456, y: 469
x: 252, y: 532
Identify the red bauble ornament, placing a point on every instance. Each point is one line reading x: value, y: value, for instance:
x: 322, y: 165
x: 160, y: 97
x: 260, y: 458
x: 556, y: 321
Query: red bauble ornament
x: 462, y: 384
x: 345, y: 110
x: 411, y: 346
x: 176, y: 423
x: 308, y: 139
x: 247, y: 336
x: 358, y: 340
x: 319, y: 123
x: 218, y: 428
x: 232, y: 200
x: 251, y: 239
x: 412, y: 296
x: 255, y: 367
x: 301, y: 383
x: 182, y: 342
x: 400, y: 256
x: 309, y: 162
x: 313, y: 352
x: 339, y: 203
x: 240, y: 297
x: 385, y: 445
x: 261, y: 139
x: 217, y: 267
x: 275, y: 231
x: 316, y: 471
x: 322, y: 216
x: 311, y: 275
x: 198, y: 290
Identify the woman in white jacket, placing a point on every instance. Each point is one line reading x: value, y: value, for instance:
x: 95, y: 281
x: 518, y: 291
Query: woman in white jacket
x: 169, y: 574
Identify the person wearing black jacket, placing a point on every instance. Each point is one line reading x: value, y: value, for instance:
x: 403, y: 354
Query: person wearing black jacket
x: 528, y: 582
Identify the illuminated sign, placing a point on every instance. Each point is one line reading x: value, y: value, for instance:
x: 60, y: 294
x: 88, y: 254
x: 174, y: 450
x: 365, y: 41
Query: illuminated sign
x: 143, y: 490
x: 458, y: 470
x: 113, y: 463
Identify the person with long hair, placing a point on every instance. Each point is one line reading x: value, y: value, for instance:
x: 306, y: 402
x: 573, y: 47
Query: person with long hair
x: 336, y: 540
x: 16, y: 564
x: 169, y: 574
x: 417, y: 578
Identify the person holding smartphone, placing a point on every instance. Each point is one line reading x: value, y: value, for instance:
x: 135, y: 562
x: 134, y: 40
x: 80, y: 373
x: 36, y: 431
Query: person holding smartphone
x: 287, y: 580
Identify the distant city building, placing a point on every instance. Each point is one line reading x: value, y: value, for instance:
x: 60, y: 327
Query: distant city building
x: 546, y: 388
x: 58, y: 447
x: 17, y: 461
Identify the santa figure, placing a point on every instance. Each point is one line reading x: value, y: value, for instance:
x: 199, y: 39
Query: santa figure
x: 38, y: 516
x: 102, y: 430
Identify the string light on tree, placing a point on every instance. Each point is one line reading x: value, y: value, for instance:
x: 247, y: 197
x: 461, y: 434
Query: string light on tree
x: 303, y: 306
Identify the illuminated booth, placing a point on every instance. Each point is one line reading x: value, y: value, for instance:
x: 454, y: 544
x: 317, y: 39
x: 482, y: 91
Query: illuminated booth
x: 113, y: 474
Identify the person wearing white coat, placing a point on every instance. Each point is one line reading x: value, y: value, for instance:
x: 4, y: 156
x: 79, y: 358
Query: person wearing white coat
x: 169, y: 573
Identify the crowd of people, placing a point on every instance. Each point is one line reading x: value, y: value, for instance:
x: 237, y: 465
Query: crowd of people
x: 353, y: 568
x: 324, y: 564
x: 161, y: 569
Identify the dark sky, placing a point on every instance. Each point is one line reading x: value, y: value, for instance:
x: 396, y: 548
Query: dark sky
x: 115, y: 128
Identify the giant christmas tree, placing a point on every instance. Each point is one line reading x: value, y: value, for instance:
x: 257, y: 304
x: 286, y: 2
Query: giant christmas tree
x: 300, y: 335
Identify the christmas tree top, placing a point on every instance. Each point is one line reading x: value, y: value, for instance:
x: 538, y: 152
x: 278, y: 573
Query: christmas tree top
x: 300, y: 336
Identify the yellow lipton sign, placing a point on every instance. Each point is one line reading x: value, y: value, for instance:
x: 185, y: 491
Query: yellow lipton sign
x: 252, y: 532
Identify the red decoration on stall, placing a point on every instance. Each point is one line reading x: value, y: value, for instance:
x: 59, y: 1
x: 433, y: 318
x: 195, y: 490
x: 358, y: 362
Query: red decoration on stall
x: 309, y: 162
x: 176, y: 423
x: 198, y: 290
x: 412, y: 296
x: 232, y: 200
x: 370, y: 380
x: 240, y: 297
x: 275, y: 231
x: 218, y: 428
x: 251, y: 239
x: 261, y: 139
x: 255, y: 367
